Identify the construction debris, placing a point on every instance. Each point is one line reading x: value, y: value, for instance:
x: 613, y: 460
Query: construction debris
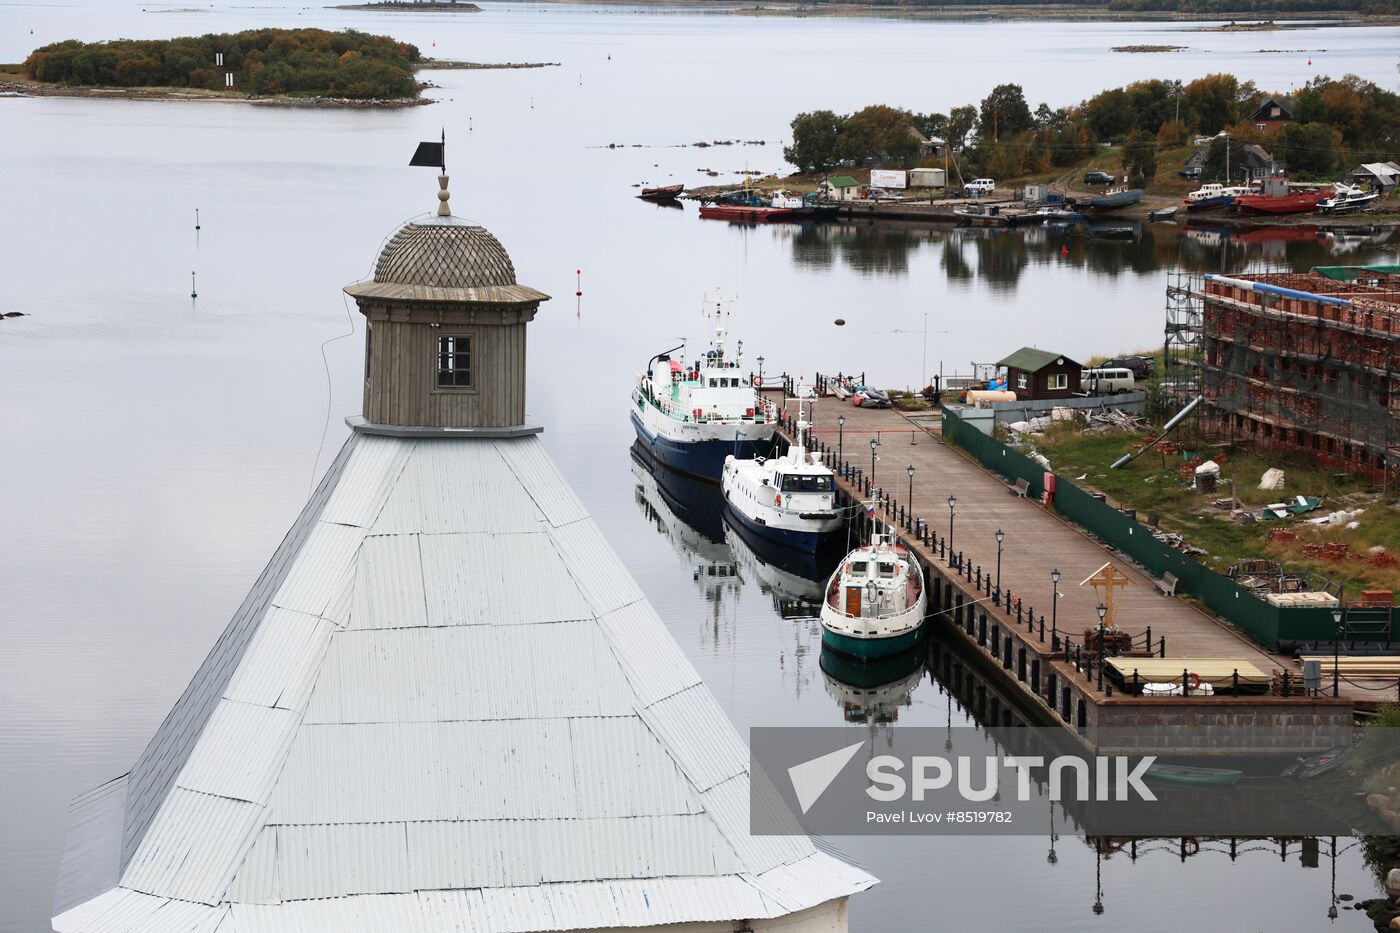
x: 1111, y: 419
x: 1272, y: 479
x: 1340, y: 517
x: 1262, y: 577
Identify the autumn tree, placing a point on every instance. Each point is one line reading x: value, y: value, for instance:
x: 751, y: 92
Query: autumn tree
x: 1210, y: 102
x: 1004, y: 112
x: 815, y: 140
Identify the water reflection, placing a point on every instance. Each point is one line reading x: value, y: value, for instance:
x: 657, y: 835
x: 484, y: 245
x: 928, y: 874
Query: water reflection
x: 875, y: 691
x: 687, y: 513
x: 791, y: 577
x: 999, y: 257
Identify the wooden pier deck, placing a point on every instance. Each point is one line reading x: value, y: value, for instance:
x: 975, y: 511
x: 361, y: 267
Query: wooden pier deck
x: 1037, y: 541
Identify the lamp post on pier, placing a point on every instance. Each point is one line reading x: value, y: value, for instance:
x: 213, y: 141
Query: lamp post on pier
x: 1103, y: 612
x: 1337, y: 653
x: 760, y: 374
x: 952, y: 504
x: 1054, y: 602
x: 840, y: 439
x: 909, y: 505
x: 873, y: 443
x: 1001, y: 536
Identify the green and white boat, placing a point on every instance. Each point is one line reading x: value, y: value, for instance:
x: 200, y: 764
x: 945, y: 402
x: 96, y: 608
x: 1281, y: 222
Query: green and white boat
x: 874, y: 603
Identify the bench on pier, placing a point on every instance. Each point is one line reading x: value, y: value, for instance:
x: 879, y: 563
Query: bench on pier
x: 1167, y: 584
x: 1021, y: 487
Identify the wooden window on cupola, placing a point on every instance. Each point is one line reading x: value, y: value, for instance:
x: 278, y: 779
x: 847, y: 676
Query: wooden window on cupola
x: 454, y: 361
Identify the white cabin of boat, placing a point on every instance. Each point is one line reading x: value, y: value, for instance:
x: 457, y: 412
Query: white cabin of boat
x: 878, y: 583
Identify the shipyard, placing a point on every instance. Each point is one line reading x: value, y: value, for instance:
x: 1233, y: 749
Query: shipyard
x: 570, y: 466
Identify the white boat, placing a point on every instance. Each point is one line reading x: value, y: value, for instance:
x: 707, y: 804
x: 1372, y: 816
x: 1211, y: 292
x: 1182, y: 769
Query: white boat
x: 1346, y: 199
x: 690, y: 415
x: 874, y: 603
x: 789, y: 499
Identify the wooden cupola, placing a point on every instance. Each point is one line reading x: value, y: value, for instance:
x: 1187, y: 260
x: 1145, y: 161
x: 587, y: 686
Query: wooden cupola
x: 445, y: 327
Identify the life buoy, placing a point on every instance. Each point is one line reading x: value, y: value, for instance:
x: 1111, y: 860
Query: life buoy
x: 1193, y: 680
x: 778, y: 500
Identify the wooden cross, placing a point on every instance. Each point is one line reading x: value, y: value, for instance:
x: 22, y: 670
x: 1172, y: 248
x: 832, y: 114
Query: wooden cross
x: 1105, y: 581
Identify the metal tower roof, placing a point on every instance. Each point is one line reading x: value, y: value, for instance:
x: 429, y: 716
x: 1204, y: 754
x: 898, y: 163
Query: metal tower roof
x: 444, y: 706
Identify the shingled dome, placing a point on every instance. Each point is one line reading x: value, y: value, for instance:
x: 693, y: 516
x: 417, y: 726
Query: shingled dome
x: 444, y: 259
x: 446, y: 252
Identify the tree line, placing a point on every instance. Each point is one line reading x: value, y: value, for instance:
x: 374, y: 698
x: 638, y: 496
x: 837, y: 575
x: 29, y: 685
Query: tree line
x: 263, y: 61
x: 1336, y: 122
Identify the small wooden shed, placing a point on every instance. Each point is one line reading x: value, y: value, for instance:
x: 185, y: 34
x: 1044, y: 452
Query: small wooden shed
x: 1036, y: 374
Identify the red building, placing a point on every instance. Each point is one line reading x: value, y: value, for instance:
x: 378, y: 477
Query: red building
x: 1307, y: 362
x: 1273, y: 113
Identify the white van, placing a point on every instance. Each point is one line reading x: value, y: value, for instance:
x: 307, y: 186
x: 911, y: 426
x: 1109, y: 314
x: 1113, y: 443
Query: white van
x: 1107, y: 381
x: 979, y: 186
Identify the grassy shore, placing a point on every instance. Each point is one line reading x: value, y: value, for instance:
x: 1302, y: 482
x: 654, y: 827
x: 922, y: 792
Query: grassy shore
x: 1153, y: 485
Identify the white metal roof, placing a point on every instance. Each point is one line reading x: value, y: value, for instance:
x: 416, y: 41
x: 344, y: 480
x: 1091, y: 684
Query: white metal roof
x: 445, y: 706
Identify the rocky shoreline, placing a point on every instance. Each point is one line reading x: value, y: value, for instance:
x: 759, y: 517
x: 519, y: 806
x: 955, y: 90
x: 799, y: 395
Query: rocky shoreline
x: 12, y: 88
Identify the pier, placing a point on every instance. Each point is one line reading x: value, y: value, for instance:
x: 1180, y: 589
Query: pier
x: 997, y: 596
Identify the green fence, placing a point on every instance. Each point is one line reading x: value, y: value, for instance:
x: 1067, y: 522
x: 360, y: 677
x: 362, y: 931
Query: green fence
x: 1263, y: 622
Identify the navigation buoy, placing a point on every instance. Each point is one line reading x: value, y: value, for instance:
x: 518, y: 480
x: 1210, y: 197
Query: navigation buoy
x: 840, y: 322
x: 1064, y: 250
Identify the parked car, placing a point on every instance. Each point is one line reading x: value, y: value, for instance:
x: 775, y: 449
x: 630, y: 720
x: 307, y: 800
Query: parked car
x: 979, y: 186
x: 866, y: 397
x: 1192, y: 172
x: 1098, y: 178
x: 1141, y: 366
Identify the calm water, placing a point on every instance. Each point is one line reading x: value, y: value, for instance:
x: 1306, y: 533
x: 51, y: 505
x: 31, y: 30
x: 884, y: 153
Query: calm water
x: 155, y: 449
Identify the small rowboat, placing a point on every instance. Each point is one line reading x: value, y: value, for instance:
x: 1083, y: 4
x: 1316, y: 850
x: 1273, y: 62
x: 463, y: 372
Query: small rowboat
x: 1305, y: 768
x: 668, y: 193
x: 1164, y: 213
x: 1192, y: 777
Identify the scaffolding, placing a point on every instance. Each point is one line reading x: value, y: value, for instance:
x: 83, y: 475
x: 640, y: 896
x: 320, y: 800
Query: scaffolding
x: 1315, y: 370
x: 1181, y: 357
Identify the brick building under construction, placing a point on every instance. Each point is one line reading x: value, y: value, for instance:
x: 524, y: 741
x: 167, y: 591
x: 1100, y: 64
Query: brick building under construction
x: 1294, y: 361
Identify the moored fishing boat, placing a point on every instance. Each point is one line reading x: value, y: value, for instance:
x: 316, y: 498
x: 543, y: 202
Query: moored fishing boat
x: 1209, y: 197
x: 789, y: 499
x: 979, y: 215
x: 666, y: 193
x: 1112, y: 200
x: 874, y: 602
x: 1347, y: 199
x: 691, y: 415
x: 747, y: 213
x: 1276, y: 197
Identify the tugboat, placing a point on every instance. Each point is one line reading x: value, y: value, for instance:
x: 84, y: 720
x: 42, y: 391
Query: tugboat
x: 691, y: 415
x: 874, y: 603
x: 789, y: 499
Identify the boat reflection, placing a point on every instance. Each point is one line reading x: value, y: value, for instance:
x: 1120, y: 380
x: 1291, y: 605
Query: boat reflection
x: 791, y: 577
x: 874, y: 691
x: 688, y: 513
x: 999, y: 258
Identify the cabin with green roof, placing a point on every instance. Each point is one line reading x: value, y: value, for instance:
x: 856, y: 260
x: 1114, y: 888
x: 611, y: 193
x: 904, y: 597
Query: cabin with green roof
x: 840, y: 188
x: 1033, y: 373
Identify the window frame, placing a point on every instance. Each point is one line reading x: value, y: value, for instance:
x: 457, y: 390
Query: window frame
x: 1056, y: 381
x: 472, y: 369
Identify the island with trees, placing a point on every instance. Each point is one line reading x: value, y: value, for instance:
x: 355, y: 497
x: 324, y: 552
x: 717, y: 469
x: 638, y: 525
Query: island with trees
x: 288, y: 65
